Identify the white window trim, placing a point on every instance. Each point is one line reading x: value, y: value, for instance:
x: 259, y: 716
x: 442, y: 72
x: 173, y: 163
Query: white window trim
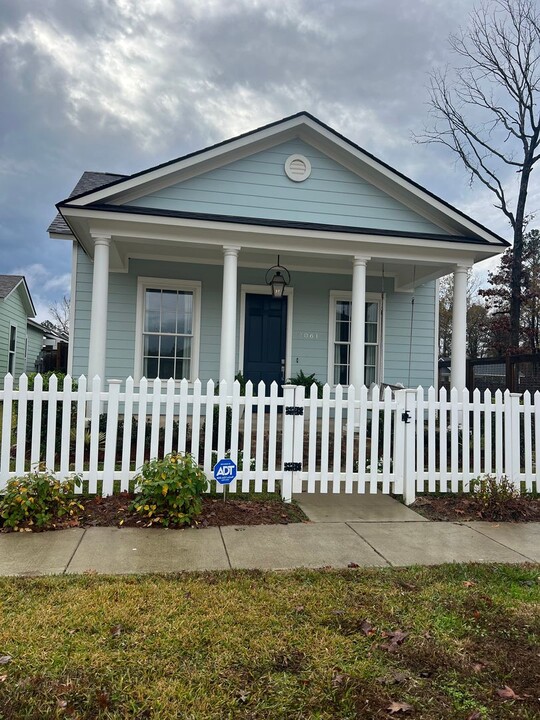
x: 13, y: 371
x: 194, y: 286
x: 265, y: 290
x: 336, y: 295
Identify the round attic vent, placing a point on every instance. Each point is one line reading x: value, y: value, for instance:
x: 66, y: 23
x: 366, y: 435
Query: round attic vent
x: 297, y: 168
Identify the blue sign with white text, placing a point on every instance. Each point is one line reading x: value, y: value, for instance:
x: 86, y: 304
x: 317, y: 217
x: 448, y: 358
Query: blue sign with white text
x: 225, y: 471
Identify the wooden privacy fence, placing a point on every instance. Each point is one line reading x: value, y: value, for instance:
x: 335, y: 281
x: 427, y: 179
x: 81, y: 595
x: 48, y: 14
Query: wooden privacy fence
x: 374, y: 440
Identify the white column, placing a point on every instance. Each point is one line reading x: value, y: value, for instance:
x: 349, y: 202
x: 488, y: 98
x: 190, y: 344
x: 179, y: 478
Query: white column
x: 98, y: 317
x: 459, y: 329
x: 227, y: 358
x: 358, y: 322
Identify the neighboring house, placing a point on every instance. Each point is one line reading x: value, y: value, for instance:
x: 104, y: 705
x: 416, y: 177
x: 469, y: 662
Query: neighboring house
x: 171, y: 264
x: 20, y: 339
x: 36, y: 340
x: 54, y: 351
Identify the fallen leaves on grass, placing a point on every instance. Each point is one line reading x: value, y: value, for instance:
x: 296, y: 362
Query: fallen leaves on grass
x: 394, y: 679
x: 395, y: 638
x: 367, y: 628
x: 5, y: 659
x: 396, y: 707
x: 116, y: 631
x: 475, y: 715
x: 478, y: 667
x: 103, y: 699
x: 506, y: 693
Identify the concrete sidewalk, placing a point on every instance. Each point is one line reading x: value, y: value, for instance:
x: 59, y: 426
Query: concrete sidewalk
x: 334, y: 544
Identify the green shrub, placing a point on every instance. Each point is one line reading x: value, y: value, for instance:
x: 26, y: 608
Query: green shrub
x: 169, y: 490
x: 307, y: 381
x: 38, y: 499
x: 496, y: 496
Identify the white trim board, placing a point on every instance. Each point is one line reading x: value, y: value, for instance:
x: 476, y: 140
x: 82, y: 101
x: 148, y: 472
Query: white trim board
x: 380, y: 299
x: 195, y: 286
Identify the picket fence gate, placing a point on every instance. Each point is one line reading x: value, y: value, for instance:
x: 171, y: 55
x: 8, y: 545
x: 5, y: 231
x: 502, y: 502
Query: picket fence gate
x: 365, y: 441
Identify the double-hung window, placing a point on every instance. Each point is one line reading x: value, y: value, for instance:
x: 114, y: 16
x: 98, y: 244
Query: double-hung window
x: 168, y: 329
x: 340, y: 339
x: 12, y: 349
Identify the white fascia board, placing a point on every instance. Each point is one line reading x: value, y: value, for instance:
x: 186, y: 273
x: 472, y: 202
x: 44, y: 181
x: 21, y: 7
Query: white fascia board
x: 61, y: 236
x: 399, y: 180
x: 197, y: 231
x: 27, y: 298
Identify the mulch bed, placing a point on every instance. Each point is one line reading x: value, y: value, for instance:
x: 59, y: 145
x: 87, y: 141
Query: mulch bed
x: 114, y: 510
x: 466, y: 508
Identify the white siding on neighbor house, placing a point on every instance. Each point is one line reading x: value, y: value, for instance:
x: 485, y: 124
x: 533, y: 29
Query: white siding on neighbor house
x: 310, y: 316
x: 258, y: 187
x: 13, y: 312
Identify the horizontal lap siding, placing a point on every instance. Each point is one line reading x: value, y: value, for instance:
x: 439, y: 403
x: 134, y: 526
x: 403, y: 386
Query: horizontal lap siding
x: 123, y: 311
x: 80, y: 335
x: 12, y: 312
x: 311, y: 299
x: 398, y: 324
x: 35, y: 343
x: 257, y: 186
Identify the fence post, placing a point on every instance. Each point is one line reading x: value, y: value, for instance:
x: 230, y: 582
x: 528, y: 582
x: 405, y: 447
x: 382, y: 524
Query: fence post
x: 409, y: 449
x: 5, y: 446
x: 287, y: 443
x: 111, y: 438
x: 298, y: 441
x: 514, y: 451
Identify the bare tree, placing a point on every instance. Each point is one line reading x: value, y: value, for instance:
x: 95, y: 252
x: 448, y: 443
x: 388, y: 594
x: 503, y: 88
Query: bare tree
x: 487, y: 111
x: 59, y: 312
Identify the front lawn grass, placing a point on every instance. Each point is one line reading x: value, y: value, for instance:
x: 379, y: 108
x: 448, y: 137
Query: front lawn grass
x: 304, y: 644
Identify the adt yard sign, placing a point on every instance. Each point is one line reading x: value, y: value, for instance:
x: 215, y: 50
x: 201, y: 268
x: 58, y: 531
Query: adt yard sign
x: 225, y: 471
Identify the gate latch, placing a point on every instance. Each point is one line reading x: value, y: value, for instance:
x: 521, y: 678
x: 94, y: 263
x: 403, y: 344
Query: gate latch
x: 292, y: 466
x: 406, y: 416
x: 294, y: 410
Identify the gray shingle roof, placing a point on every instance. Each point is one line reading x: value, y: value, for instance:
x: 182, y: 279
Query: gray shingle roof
x: 88, y: 181
x: 9, y: 283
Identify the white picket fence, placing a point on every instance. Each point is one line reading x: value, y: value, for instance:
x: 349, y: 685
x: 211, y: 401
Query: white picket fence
x: 349, y: 441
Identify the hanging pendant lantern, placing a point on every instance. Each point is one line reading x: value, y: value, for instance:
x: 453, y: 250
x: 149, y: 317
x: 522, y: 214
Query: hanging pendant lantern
x: 278, y: 277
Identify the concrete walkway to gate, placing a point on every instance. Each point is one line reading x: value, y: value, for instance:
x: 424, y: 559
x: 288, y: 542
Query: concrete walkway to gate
x: 344, y: 530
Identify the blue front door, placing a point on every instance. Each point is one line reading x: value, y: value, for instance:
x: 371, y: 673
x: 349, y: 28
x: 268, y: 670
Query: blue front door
x: 265, y: 339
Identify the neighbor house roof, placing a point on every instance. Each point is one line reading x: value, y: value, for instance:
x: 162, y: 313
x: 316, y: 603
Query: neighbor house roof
x: 89, y: 181
x: 9, y: 283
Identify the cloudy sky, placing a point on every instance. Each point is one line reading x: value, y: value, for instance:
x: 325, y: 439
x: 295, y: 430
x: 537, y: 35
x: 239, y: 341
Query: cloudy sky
x: 120, y: 85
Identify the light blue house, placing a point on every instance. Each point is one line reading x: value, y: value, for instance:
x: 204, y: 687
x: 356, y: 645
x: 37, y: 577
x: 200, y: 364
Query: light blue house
x: 173, y: 266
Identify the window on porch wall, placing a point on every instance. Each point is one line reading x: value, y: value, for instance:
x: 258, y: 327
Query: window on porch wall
x: 342, y: 341
x: 168, y: 333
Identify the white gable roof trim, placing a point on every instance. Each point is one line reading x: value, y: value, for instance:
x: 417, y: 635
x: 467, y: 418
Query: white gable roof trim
x: 301, y: 125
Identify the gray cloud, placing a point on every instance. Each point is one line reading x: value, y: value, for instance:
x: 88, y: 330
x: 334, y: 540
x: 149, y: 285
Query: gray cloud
x: 119, y: 85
